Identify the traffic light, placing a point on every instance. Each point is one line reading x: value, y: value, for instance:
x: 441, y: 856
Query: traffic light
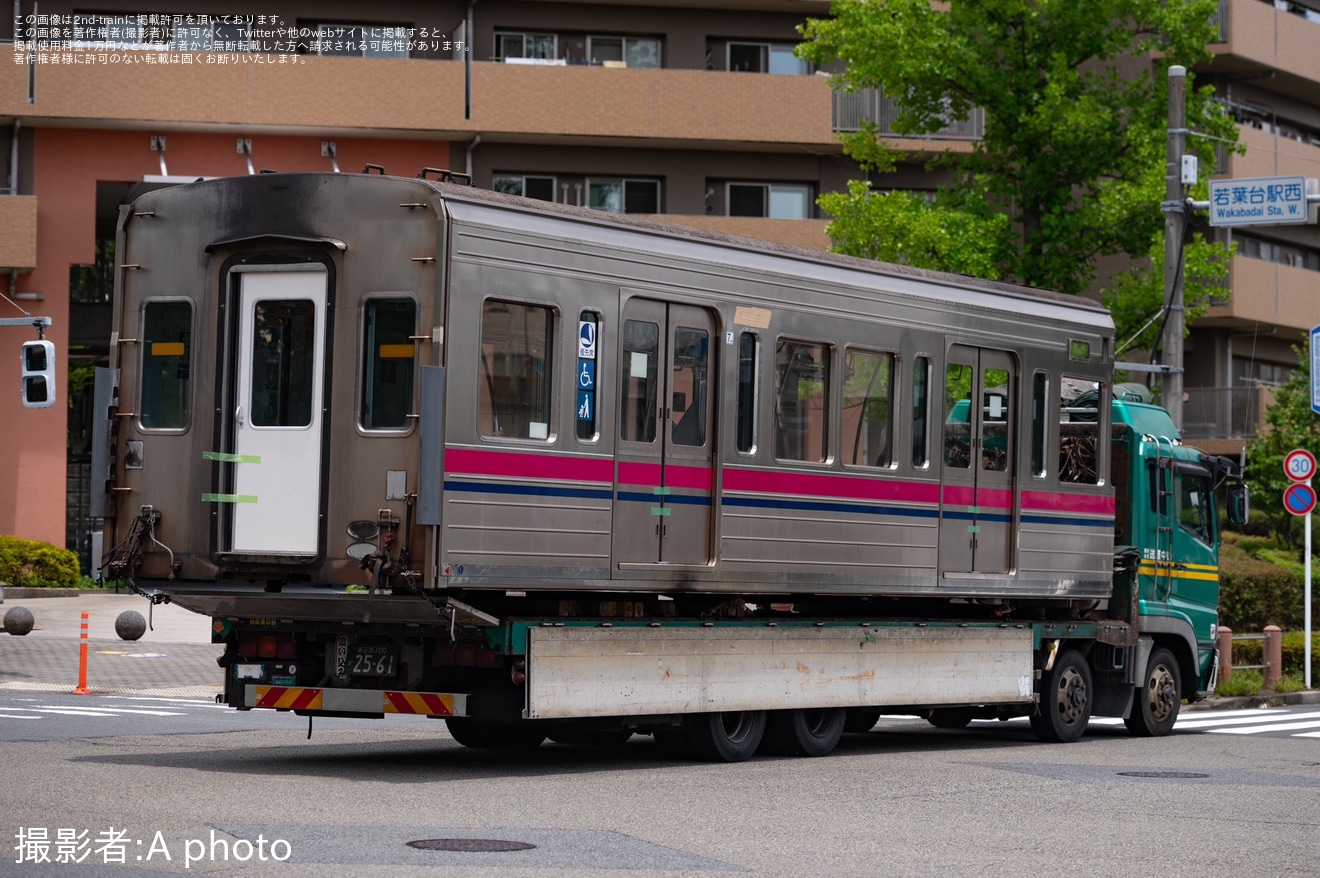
x: 38, y: 374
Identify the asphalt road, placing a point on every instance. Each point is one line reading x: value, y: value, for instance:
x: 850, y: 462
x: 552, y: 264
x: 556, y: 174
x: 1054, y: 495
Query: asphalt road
x: 904, y: 799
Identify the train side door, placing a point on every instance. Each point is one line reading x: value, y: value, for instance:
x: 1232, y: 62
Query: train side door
x: 978, y: 503
x: 666, y: 448
x: 276, y: 410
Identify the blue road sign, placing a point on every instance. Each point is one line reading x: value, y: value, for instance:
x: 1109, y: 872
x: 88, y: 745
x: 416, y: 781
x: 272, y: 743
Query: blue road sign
x: 1299, y: 499
x: 1315, y: 370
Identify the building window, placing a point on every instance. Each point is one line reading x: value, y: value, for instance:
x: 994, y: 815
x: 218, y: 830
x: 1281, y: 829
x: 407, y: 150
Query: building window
x: 166, y: 364
x: 388, y: 358
x: 1274, y: 251
x: 510, y: 44
x: 526, y: 185
x: 215, y: 36
x: 628, y: 51
x: 773, y: 200
x: 868, y: 395
x: 515, y: 370
x: 802, y: 377
x: 766, y: 58
x: 624, y: 195
x: 338, y: 39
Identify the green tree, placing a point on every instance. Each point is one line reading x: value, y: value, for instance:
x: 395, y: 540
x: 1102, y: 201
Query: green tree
x: 1290, y: 424
x: 1073, y: 150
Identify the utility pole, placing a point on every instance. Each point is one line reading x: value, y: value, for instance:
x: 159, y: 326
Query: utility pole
x: 1175, y: 217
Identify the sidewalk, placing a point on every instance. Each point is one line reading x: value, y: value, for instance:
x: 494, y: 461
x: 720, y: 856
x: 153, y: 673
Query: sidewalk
x: 174, y: 658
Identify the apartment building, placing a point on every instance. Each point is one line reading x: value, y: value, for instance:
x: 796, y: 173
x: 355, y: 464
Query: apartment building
x: 1266, y: 69
x: 696, y: 110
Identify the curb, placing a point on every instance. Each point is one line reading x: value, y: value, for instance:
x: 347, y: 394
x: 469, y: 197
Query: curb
x: 1265, y: 699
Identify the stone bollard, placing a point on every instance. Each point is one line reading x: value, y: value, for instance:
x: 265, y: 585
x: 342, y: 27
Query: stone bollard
x: 130, y: 625
x: 1272, y: 653
x: 19, y: 621
x: 1224, y: 643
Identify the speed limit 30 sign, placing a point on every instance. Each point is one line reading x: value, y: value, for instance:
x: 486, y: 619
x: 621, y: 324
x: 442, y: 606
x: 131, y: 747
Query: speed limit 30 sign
x: 1299, y: 465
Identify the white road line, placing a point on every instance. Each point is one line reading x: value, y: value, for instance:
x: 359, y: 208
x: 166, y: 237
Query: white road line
x: 71, y: 711
x: 16, y: 716
x: 1281, y: 716
x: 1274, y: 727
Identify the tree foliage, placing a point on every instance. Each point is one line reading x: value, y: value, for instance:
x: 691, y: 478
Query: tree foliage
x: 1075, y: 123
x: 1290, y: 424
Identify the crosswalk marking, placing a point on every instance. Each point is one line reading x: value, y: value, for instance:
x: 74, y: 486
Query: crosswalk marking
x: 1248, y: 721
x: 1272, y: 727
x: 1260, y: 716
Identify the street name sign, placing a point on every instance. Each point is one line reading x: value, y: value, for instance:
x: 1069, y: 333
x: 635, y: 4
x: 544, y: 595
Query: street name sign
x: 1258, y: 201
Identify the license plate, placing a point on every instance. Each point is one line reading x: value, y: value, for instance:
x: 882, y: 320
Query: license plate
x: 372, y: 660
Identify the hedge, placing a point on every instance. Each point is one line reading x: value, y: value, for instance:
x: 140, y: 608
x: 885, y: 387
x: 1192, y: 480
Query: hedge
x: 1254, y: 593
x: 34, y: 564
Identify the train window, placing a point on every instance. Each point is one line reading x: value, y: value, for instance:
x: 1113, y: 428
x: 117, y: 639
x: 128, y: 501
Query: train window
x: 1040, y: 388
x: 1079, y: 430
x: 388, y: 358
x: 689, y: 386
x: 586, y: 376
x: 283, y: 346
x: 166, y: 361
x: 641, y: 380
x: 996, y: 420
x: 868, y: 424
x: 920, y: 412
x: 749, y: 347
x: 801, y: 401
x: 958, y: 415
x: 516, y: 364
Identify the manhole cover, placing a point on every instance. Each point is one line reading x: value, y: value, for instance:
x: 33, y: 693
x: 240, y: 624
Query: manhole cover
x: 470, y: 845
x: 1176, y: 775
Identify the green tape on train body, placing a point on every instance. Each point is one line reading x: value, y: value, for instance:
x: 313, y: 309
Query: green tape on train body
x: 229, y: 498
x: 222, y: 457
x: 660, y: 510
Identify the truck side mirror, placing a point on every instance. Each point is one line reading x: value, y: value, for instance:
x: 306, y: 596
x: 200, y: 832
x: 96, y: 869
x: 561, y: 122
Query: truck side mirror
x: 1236, y: 495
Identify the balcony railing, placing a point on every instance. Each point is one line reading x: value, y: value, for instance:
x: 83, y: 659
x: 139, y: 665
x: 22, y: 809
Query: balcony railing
x: 1225, y: 412
x: 851, y: 109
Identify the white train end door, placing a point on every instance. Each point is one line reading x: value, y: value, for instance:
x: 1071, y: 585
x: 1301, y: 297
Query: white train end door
x: 276, y: 410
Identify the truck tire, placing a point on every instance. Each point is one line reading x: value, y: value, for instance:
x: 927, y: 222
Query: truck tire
x: 1155, y: 705
x: 731, y: 736
x: 803, y: 732
x: 950, y: 717
x: 493, y: 736
x: 1064, y: 708
x: 860, y: 720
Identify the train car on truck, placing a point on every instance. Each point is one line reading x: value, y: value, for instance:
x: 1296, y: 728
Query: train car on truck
x: 551, y: 472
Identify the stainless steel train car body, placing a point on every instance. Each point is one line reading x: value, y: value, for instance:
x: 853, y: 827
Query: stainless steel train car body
x: 249, y: 303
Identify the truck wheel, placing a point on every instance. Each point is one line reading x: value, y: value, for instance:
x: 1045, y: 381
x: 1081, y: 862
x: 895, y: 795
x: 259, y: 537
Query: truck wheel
x: 587, y: 737
x: 1064, y: 708
x: 1155, y: 705
x: 950, y: 717
x: 731, y: 736
x: 493, y: 736
x: 860, y: 719
x: 803, y: 732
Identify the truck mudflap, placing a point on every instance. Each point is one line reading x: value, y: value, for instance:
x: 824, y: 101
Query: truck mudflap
x: 633, y: 670
x: 371, y: 702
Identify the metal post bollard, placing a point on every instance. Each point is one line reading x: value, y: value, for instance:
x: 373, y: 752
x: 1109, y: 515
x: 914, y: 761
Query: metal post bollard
x: 1224, y: 643
x: 1272, y: 656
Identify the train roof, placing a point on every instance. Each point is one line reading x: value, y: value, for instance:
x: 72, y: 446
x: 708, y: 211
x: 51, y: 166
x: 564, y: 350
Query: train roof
x: 457, y: 197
